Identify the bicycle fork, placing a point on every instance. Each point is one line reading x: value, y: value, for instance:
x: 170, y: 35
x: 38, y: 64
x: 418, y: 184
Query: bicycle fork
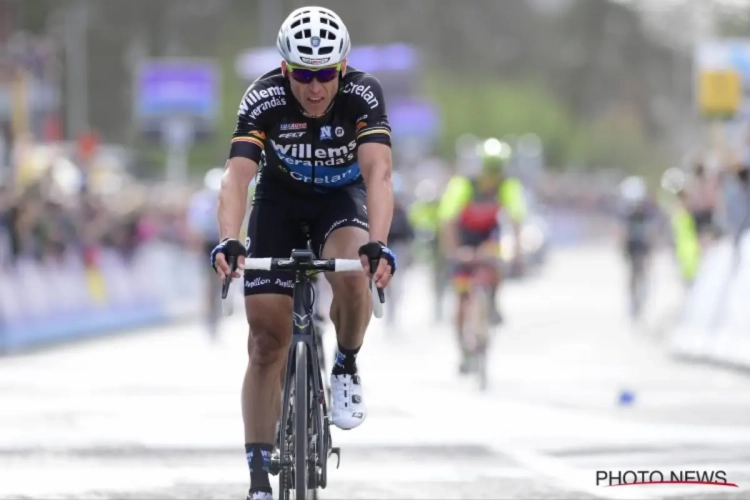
x: 321, y: 445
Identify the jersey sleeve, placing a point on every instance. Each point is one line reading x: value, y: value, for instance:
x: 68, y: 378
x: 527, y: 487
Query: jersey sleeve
x: 457, y: 194
x: 512, y: 199
x: 249, y: 135
x: 370, y: 117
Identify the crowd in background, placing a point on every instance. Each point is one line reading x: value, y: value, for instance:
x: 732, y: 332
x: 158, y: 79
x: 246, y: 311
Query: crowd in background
x: 52, y: 217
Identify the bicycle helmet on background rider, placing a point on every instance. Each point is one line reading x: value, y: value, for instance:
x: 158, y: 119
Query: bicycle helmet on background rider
x: 673, y: 181
x: 494, y: 155
x: 633, y: 190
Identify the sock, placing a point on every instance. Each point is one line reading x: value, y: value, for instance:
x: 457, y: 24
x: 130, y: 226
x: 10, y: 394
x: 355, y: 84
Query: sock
x: 346, y: 361
x: 259, y: 459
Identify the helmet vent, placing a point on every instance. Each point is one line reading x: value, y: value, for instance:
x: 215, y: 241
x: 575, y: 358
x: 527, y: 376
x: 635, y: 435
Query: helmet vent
x: 325, y: 50
x: 305, y: 50
x: 329, y: 22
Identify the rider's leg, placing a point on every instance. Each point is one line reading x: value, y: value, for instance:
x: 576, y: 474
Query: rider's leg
x: 339, y: 229
x: 268, y: 307
x: 270, y: 320
x: 461, y: 283
x: 351, y: 309
x: 498, y: 281
x: 498, y: 278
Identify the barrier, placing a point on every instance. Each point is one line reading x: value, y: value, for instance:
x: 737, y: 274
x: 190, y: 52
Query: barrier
x: 43, y: 303
x: 715, y: 322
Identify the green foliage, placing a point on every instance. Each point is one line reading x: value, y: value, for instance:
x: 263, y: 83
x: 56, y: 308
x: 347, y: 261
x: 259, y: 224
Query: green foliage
x: 487, y: 107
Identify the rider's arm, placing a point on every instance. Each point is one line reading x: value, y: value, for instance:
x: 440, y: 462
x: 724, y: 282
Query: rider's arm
x: 242, y: 165
x: 455, y: 198
x: 374, y: 157
x: 512, y: 199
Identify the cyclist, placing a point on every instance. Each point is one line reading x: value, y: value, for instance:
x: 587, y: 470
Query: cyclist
x: 201, y: 219
x: 702, y: 192
x: 684, y: 227
x: 469, y: 215
x: 322, y: 131
x: 639, y: 218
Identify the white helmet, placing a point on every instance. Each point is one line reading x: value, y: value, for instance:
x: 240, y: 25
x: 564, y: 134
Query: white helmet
x: 313, y: 37
x: 212, y: 179
x: 633, y: 189
x: 673, y: 180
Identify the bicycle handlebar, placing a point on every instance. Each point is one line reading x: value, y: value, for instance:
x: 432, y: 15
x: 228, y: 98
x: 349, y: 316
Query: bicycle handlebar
x: 327, y: 265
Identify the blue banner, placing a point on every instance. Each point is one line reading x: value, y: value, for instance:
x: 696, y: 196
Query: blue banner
x: 167, y: 88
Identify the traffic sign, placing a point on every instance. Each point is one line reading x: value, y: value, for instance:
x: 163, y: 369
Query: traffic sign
x: 722, y: 77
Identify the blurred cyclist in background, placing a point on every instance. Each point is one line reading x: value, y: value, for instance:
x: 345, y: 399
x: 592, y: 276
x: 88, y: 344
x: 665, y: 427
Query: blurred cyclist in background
x: 639, y: 232
x: 684, y: 228
x: 469, y: 214
x: 423, y: 215
x: 204, y: 231
x: 400, y: 239
x: 701, y: 193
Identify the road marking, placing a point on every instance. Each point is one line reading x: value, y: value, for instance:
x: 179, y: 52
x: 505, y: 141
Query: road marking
x: 566, y: 476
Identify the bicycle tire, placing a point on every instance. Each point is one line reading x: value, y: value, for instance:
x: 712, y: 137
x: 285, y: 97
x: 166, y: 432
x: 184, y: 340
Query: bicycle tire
x: 301, y: 424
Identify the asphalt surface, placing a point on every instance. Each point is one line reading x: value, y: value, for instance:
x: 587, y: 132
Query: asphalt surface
x: 156, y: 413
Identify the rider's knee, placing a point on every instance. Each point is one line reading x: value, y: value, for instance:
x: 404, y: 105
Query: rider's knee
x: 352, y: 286
x: 268, y: 348
x: 269, y: 329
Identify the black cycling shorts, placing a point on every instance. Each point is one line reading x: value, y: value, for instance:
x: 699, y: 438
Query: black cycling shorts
x: 275, y: 229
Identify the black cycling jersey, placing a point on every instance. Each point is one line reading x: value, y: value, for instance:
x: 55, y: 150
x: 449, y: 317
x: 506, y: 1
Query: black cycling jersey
x: 308, y: 155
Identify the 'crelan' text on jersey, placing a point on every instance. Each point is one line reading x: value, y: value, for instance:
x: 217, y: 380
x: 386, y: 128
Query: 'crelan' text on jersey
x: 312, y: 155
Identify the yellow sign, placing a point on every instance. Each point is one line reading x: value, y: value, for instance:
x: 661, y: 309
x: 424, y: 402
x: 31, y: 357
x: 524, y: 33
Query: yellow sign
x: 719, y: 92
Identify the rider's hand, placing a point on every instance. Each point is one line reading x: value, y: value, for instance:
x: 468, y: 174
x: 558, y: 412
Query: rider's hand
x: 386, y: 259
x: 227, y: 248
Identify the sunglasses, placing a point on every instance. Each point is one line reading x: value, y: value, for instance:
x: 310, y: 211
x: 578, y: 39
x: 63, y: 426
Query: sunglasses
x: 306, y: 75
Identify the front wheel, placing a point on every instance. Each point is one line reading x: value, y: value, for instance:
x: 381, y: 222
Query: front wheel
x: 301, y: 427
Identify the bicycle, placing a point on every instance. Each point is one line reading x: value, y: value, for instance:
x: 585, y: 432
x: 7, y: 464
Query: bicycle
x: 477, y: 324
x: 304, y: 437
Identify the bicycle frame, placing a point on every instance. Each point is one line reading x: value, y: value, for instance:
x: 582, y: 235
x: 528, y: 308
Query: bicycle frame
x: 302, y: 332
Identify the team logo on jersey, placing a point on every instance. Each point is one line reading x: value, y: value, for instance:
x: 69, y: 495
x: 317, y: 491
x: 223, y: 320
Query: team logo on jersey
x: 293, y: 126
x: 292, y: 135
x: 257, y: 101
x: 325, y: 132
x: 339, y: 132
x: 304, y: 154
x: 364, y: 91
x: 315, y: 41
x: 333, y: 166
